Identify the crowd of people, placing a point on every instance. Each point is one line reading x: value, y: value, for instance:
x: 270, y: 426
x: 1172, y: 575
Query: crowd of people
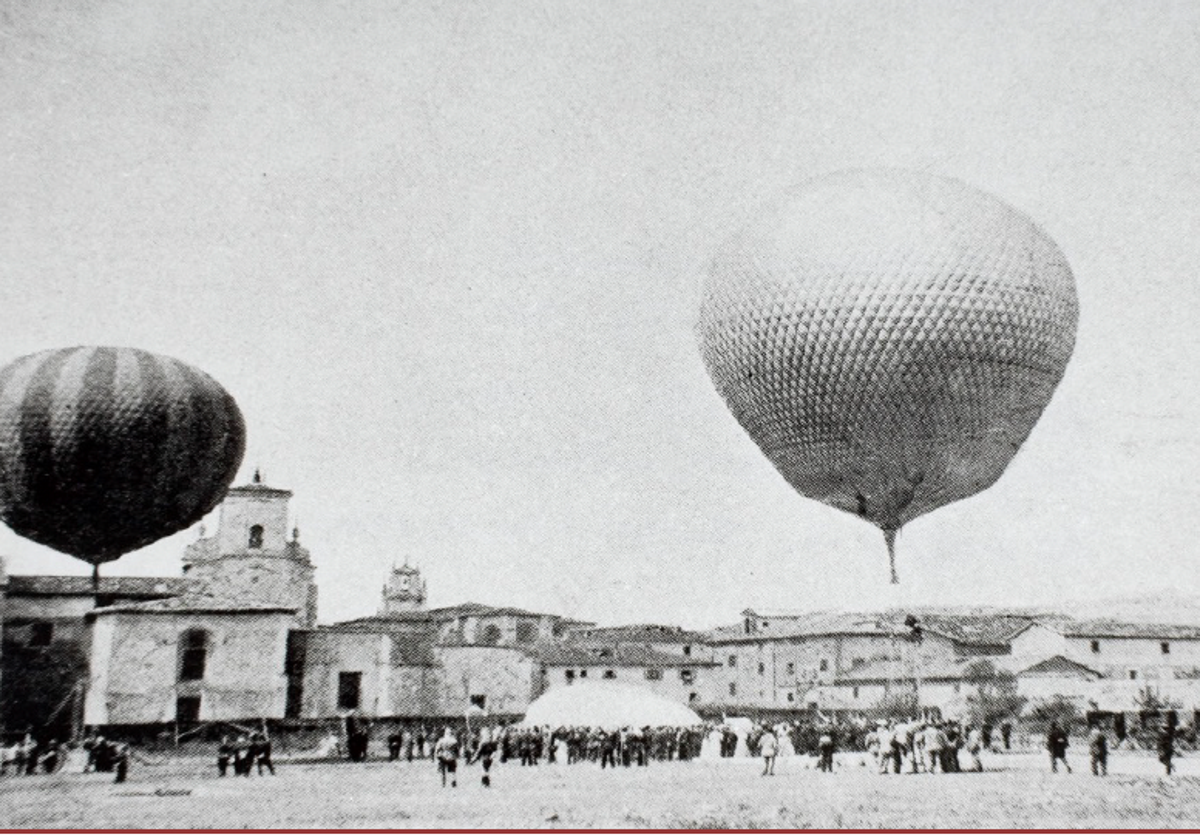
x: 888, y: 746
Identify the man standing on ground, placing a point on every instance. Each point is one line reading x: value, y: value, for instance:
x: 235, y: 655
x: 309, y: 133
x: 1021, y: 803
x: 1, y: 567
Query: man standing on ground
x: 446, y: 751
x: 1166, y: 746
x: 1057, y: 743
x: 1098, y: 750
x: 768, y: 746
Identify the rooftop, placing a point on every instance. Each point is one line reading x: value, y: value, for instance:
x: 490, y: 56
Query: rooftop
x: 196, y: 602
x: 621, y: 655
x: 1124, y: 630
x: 130, y: 587
x: 640, y: 633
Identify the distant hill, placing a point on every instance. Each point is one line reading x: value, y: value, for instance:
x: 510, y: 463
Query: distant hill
x: 1163, y: 606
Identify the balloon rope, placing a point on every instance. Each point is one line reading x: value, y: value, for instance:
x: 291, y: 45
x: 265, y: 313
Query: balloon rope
x: 889, y: 537
x: 96, y: 578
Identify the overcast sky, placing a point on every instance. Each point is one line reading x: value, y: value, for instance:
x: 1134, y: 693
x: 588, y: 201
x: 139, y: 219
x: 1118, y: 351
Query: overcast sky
x: 446, y: 257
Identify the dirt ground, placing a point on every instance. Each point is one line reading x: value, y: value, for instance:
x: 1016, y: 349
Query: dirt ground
x: 1016, y: 791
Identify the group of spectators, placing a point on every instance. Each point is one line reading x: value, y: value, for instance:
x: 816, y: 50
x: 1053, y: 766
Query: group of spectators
x: 244, y: 753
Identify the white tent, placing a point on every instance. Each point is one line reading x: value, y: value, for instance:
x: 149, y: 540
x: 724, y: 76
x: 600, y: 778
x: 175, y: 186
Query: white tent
x: 609, y: 706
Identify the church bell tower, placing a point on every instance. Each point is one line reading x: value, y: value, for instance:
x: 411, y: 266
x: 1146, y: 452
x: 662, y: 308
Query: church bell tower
x: 404, y: 591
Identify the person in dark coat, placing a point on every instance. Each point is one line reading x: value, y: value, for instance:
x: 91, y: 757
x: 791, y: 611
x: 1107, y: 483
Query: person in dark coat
x: 224, y: 755
x: 1166, y: 747
x: 122, y: 763
x: 1098, y: 751
x: 1056, y: 744
x: 261, y: 745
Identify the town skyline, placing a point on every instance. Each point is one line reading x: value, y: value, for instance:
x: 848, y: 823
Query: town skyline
x: 449, y: 265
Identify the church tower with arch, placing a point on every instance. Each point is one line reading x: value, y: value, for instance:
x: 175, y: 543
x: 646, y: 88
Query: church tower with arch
x: 252, y: 556
x: 404, y: 591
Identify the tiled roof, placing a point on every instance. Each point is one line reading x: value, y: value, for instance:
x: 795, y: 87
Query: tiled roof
x: 812, y: 624
x: 1059, y: 665
x: 1125, y: 630
x: 410, y: 646
x: 387, y: 623
x: 132, y: 587
x: 972, y: 627
x: 621, y: 655
x: 198, y: 602
x: 653, y: 633
x: 474, y: 609
x: 977, y: 626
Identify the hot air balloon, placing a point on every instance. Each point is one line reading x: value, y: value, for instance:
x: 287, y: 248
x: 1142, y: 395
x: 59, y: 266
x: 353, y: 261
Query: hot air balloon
x: 104, y: 450
x: 888, y: 339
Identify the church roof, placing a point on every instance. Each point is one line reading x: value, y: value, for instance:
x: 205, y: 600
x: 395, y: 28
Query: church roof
x: 130, y: 587
x: 196, y: 602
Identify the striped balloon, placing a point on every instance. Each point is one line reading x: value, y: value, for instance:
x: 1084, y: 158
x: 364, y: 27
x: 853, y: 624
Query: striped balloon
x: 104, y: 450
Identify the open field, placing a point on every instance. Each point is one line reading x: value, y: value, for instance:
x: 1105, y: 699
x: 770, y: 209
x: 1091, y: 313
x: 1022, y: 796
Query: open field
x: 1017, y: 791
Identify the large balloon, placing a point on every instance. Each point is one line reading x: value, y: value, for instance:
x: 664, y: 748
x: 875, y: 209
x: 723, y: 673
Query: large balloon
x: 104, y: 450
x: 888, y: 339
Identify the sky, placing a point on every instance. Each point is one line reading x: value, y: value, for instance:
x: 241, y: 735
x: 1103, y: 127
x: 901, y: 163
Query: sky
x: 446, y: 256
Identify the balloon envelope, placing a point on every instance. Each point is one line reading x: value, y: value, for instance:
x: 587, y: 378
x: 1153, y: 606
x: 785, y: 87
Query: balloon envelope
x: 608, y: 706
x: 105, y: 450
x: 888, y: 338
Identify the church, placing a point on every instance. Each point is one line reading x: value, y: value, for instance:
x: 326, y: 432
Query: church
x: 236, y: 638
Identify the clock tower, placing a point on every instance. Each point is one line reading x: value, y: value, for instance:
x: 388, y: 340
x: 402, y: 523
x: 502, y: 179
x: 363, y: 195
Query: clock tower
x: 404, y: 591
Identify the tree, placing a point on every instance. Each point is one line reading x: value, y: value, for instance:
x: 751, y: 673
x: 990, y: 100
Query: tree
x: 993, y: 696
x: 902, y: 705
x: 1150, y: 702
x: 1058, y: 709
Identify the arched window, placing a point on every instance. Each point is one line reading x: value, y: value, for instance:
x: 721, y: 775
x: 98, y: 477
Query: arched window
x: 491, y: 635
x: 256, y: 536
x: 527, y: 632
x: 193, y: 654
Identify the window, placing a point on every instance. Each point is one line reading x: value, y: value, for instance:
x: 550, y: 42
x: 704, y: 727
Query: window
x: 824, y: 664
x: 733, y: 689
x: 193, y: 654
x: 957, y: 688
x: 187, y: 710
x: 479, y: 701
x: 570, y: 675
x: 256, y: 536
x: 653, y: 674
x: 687, y: 675
x: 1095, y: 646
x: 527, y: 632
x: 856, y: 661
x: 693, y: 697
x: 1166, y: 647
x: 1133, y: 675
x: 766, y: 624
x: 791, y: 697
x: 610, y: 675
x: 855, y: 692
x: 349, y: 689
x: 583, y: 674
x: 687, y: 650
x: 732, y: 661
x: 491, y: 635
x: 791, y: 669
x: 40, y: 633
x: 762, y: 669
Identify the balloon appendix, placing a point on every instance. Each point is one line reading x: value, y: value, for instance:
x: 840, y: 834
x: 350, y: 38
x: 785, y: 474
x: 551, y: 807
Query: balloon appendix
x: 887, y: 338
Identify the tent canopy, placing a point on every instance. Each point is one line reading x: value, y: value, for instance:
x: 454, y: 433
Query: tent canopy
x: 608, y: 706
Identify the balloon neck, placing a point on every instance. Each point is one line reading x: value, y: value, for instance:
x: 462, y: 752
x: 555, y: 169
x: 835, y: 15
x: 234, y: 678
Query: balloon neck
x: 889, y: 537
